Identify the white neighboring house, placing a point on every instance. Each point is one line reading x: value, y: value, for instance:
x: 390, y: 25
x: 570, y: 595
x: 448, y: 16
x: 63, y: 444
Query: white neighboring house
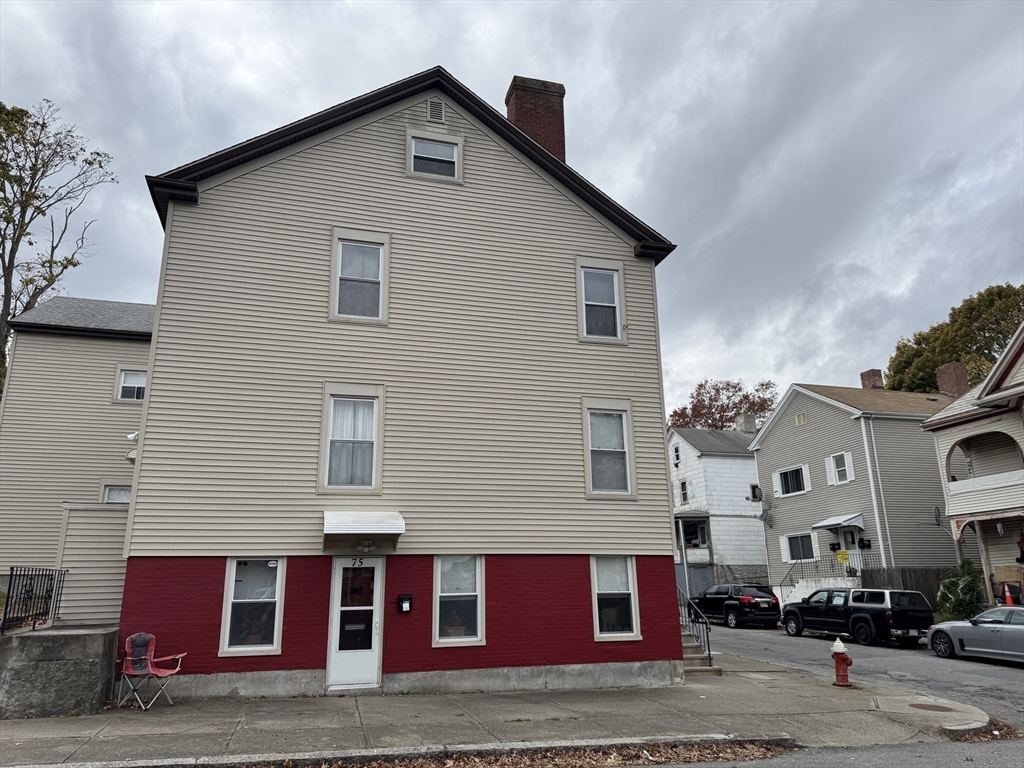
x: 719, y: 535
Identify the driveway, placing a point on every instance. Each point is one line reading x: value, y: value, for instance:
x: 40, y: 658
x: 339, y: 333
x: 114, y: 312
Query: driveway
x: 994, y: 686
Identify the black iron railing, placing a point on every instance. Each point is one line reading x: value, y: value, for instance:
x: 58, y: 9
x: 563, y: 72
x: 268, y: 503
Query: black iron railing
x: 829, y: 566
x: 33, y: 597
x: 694, y: 622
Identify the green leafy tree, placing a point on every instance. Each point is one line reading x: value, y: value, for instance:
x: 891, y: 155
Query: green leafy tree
x: 47, y: 172
x: 975, y: 334
x: 959, y: 595
x: 716, y: 404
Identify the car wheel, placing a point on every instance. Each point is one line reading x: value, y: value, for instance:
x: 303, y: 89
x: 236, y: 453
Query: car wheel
x: 793, y: 626
x: 862, y: 633
x: 731, y: 619
x: 942, y: 644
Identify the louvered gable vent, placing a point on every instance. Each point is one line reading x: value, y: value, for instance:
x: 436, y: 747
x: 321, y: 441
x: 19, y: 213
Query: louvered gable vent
x: 435, y: 110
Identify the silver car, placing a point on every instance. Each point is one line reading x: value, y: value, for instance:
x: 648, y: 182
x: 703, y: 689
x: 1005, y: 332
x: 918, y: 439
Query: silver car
x: 995, y: 634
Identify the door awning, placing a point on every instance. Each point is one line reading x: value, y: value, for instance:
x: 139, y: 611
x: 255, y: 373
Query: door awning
x: 358, y: 523
x: 855, y: 520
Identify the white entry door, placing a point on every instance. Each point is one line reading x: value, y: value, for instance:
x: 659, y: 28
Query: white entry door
x: 354, y: 652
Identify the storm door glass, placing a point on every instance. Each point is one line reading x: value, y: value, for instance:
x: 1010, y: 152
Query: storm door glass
x: 355, y: 623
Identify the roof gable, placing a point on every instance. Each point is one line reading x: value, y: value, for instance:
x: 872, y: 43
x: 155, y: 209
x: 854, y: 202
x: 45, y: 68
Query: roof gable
x: 181, y: 184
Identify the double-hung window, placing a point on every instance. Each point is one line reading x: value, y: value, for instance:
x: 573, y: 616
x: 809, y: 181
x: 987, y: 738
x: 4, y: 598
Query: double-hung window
x: 352, y: 433
x: 352, y: 436
x: 839, y: 468
x: 616, y: 611
x: 434, y: 154
x: 608, y: 438
x: 458, y: 600
x: 253, y: 607
x: 600, y: 297
x: 684, y: 493
x: 359, y: 276
x: 600, y: 303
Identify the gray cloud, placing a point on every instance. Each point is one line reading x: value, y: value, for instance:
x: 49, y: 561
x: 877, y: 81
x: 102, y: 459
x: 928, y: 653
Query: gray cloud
x: 836, y: 175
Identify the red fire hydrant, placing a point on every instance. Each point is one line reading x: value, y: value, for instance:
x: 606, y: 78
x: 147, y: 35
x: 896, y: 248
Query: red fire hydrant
x: 843, y: 663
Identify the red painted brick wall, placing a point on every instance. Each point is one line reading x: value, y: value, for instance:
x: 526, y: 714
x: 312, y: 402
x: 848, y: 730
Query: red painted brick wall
x: 181, y: 599
x: 538, y: 611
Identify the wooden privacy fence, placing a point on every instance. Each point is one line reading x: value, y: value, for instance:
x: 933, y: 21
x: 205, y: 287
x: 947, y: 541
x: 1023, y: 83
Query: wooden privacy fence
x: 924, y: 580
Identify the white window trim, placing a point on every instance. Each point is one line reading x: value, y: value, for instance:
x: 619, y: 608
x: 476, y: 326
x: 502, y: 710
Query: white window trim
x: 677, y: 455
x: 684, y: 497
x: 434, y: 134
x: 121, y: 369
x: 339, y: 389
x: 605, y: 265
x: 784, y: 546
x: 381, y: 239
x: 626, y: 408
x: 634, y: 603
x: 481, y: 614
x: 777, y: 481
x: 832, y: 471
x: 225, y: 619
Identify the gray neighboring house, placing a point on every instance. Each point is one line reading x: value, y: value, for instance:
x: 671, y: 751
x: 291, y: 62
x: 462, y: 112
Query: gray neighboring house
x: 850, y: 484
x: 717, y: 524
x: 74, y: 392
x: 978, y: 440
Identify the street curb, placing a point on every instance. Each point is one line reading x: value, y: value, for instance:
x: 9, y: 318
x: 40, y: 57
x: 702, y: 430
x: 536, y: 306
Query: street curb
x: 300, y: 759
x: 964, y: 729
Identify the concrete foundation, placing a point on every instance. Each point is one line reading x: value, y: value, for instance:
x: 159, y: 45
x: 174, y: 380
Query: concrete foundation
x: 56, y: 672
x: 635, y: 674
x: 249, y: 685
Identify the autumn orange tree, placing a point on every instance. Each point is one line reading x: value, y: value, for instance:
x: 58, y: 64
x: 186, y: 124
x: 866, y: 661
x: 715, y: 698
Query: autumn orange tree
x: 716, y: 404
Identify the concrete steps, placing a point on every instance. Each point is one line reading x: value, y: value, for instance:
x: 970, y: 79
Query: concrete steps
x: 695, y: 661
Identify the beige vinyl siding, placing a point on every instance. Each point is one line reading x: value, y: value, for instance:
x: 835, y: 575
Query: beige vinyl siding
x: 993, y: 453
x: 484, y: 374
x: 910, y: 487
x: 982, y: 499
x: 827, y: 431
x: 93, y: 542
x: 1016, y: 377
x: 1002, y: 550
x: 62, y: 435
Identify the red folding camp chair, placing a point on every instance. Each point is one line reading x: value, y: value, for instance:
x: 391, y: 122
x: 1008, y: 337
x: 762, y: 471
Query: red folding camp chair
x: 139, y: 669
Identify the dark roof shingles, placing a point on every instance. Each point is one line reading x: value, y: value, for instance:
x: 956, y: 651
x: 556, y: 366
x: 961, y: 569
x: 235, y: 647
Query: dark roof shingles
x: 64, y: 312
x: 715, y: 441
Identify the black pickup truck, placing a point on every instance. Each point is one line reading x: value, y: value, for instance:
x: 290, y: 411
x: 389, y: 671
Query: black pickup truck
x: 866, y: 615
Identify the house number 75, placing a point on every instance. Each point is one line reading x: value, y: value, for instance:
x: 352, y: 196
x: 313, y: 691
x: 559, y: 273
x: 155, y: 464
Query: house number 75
x: 356, y: 562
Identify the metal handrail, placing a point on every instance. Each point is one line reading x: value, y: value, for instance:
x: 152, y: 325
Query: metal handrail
x: 694, y: 622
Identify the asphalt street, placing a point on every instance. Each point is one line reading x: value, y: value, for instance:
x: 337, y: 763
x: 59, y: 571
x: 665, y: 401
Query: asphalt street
x: 996, y: 687
x: 993, y: 754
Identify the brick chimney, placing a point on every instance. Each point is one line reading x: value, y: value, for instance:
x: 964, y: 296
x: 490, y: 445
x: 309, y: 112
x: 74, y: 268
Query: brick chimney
x: 952, y: 378
x: 746, y: 422
x: 872, y: 379
x: 535, y: 108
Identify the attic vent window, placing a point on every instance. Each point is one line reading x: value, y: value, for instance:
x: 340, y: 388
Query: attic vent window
x: 801, y: 419
x: 435, y: 111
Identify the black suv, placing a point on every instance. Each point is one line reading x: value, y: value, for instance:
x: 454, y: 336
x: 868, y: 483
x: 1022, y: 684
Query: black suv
x: 866, y: 615
x: 737, y: 604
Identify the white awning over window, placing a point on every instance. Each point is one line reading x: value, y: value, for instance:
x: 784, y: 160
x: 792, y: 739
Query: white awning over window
x: 841, y: 521
x: 359, y: 523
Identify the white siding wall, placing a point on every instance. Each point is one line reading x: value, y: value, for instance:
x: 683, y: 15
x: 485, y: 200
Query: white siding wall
x: 61, y: 435
x: 727, y: 480
x: 484, y: 373
x: 737, y: 540
x: 690, y: 469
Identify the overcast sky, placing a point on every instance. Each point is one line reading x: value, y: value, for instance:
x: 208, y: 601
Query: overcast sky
x: 836, y: 175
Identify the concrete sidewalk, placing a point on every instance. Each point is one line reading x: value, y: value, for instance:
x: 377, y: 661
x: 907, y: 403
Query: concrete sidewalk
x: 751, y: 699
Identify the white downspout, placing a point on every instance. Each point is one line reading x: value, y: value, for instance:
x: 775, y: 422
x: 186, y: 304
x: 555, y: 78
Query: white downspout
x: 871, y: 483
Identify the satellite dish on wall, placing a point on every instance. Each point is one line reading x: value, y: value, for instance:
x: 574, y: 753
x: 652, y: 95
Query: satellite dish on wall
x: 757, y: 493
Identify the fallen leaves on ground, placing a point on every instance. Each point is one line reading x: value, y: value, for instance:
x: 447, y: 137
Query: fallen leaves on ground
x: 995, y: 731
x: 649, y: 754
